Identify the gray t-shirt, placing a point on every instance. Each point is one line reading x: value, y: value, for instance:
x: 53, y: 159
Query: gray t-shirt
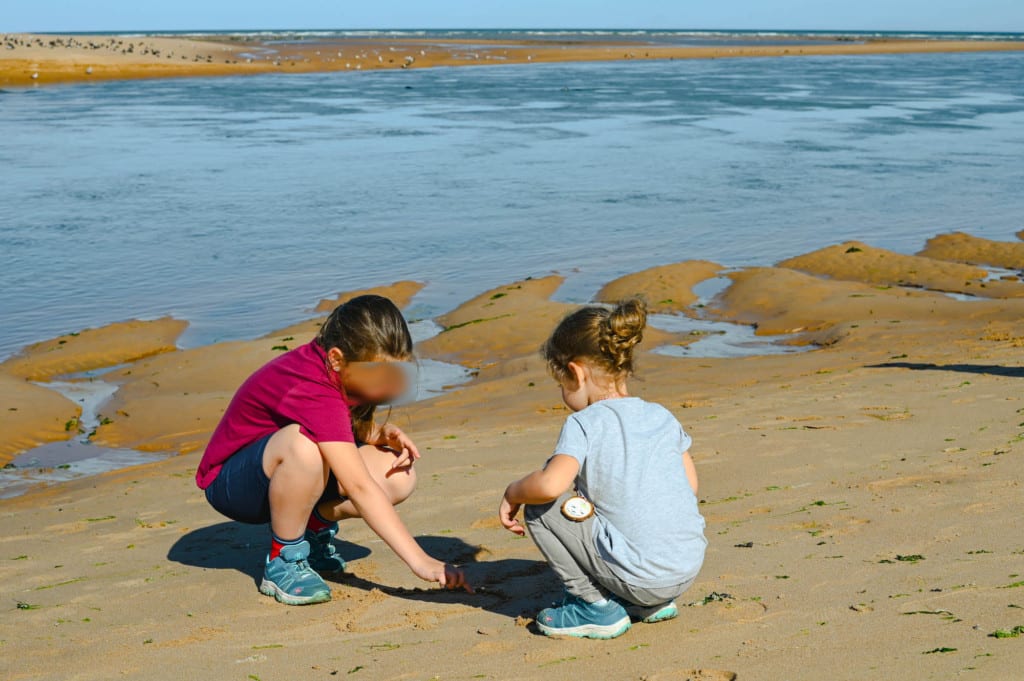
x: 647, y: 525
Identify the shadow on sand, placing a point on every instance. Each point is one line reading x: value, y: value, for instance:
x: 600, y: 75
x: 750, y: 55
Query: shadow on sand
x: 988, y: 369
x: 512, y: 587
x: 237, y: 546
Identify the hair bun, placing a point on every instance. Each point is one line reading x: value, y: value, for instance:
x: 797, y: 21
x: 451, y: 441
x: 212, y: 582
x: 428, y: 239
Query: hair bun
x: 624, y: 328
x: 628, y: 319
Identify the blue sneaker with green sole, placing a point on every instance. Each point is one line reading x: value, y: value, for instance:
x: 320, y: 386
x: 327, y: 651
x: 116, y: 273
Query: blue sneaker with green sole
x: 652, y: 614
x: 575, y: 617
x: 291, y: 580
x: 323, y: 557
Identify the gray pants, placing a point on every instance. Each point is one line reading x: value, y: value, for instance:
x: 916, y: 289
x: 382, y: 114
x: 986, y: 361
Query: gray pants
x: 570, y: 550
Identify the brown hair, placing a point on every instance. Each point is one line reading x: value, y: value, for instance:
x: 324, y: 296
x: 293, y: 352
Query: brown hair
x: 597, y: 335
x: 366, y: 329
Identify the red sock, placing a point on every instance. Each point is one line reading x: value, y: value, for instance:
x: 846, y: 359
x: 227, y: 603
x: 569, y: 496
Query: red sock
x: 317, y: 522
x: 277, y: 544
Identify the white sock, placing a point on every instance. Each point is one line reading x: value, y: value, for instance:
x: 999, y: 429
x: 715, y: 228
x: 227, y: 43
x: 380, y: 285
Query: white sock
x: 603, y: 601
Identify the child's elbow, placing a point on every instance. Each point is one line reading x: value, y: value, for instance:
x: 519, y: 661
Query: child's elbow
x: 552, y: 489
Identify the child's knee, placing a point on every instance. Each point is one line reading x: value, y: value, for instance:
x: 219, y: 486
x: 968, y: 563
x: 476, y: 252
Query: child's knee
x: 305, y: 452
x: 297, y: 452
x: 402, y: 484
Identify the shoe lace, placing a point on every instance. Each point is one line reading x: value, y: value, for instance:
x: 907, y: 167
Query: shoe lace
x: 302, y: 566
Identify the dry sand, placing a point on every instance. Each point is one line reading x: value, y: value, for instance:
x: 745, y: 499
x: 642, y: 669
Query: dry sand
x: 27, y: 59
x: 862, y: 502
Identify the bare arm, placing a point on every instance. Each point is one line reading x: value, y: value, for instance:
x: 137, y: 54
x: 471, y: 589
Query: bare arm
x: 539, y: 487
x: 691, y: 471
x: 376, y: 509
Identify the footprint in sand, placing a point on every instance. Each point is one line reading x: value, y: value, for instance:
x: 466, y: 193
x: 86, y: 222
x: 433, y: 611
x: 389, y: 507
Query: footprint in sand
x: 743, y: 612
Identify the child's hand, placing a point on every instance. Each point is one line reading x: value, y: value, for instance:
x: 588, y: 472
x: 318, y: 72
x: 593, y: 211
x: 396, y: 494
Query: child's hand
x: 507, y: 513
x: 400, y: 443
x: 455, y: 578
x: 448, y: 576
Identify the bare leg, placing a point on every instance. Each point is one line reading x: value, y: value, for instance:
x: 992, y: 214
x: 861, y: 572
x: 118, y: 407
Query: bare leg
x: 398, y: 483
x: 298, y: 475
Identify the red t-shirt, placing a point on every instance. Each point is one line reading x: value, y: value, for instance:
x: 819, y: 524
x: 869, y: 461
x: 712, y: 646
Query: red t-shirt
x: 296, y: 387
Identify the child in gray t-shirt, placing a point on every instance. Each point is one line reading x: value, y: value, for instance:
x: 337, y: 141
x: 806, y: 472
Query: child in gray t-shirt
x: 614, y: 511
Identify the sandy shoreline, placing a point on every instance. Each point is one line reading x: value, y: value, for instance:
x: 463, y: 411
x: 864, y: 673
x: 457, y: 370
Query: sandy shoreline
x: 860, y: 497
x: 27, y: 59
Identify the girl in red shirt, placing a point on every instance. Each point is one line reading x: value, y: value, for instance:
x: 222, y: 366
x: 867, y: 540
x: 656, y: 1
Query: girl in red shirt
x: 297, y: 447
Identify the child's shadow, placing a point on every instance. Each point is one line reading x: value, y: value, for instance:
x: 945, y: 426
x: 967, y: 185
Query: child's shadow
x: 511, y: 587
x: 237, y: 546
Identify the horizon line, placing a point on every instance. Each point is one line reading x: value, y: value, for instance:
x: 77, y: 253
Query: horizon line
x: 517, y: 28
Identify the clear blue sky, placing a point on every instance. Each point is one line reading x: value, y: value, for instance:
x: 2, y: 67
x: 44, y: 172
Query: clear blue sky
x: 126, y: 15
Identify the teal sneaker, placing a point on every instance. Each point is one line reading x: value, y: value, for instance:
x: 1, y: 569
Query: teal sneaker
x: 576, y: 617
x: 652, y: 614
x: 322, y: 555
x: 291, y: 580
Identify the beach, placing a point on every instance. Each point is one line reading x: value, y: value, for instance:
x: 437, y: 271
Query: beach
x: 861, y: 495
x: 831, y: 246
x: 30, y: 59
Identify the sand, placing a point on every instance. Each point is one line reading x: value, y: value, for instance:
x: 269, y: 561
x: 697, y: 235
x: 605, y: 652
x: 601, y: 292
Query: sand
x: 500, y: 324
x: 31, y: 415
x: 400, y: 292
x: 666, y: 289
x: 960, y: 247
x: 855, y: 261
x: 94, y: 348
x: 862, y: 502
x: 27, y: 59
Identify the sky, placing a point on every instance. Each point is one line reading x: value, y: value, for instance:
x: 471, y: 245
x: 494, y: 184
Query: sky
x: 154, y: 15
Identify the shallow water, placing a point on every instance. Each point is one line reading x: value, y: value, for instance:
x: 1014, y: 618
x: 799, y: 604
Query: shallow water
x: 236, y: 203
x: 720, y: 339
x: 63, y: 461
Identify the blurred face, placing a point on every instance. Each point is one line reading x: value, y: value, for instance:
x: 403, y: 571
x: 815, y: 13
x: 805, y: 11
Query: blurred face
x: 382, y: 381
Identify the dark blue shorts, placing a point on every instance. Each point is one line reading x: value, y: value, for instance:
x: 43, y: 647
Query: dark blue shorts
x: 241, y: 490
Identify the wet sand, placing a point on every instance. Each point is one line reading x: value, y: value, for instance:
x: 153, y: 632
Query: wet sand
x: 27, y: 59
x: 862, y: 498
